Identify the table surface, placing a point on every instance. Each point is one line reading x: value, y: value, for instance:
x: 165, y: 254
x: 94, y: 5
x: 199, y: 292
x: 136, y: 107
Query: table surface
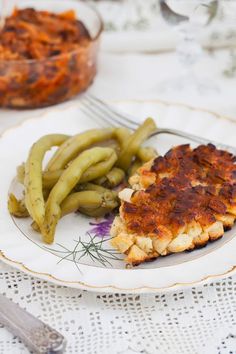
x: 197, y: 320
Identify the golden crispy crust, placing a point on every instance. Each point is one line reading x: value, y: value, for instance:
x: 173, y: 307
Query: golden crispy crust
x: 186, y: 199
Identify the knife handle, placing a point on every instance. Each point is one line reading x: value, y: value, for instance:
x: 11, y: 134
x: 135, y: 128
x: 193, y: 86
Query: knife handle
x: 39, y: 337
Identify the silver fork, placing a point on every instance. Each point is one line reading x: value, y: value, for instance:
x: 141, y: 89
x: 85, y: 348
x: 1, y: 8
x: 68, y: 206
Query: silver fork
x: 96, y: 109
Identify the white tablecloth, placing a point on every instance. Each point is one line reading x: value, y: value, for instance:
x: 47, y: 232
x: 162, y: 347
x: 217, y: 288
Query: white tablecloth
x: 191, y: 321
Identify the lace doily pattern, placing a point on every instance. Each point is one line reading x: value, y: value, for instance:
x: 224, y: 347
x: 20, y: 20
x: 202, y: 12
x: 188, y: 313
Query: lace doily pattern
x: 227, y: 345
x: 179, y: 322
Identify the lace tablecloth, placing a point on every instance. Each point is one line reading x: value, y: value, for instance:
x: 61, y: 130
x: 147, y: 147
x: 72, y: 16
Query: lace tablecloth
x: 197, y: 320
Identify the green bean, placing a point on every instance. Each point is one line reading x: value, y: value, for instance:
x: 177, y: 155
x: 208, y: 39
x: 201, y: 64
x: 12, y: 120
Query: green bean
x: 135, y: 140
x: 33, y: 175
x: 76, y: 144
x: 134, y: 167
x: 111, y: 143
x: 99, y: 169
x: 50, y: 178
x: 68, y: 180
x: 35, y: 227
x: 112, y: 179
x: 115, y: 177
x: 122, y: 135
x: 110, y: 202
x: 88, y: 200
x: 146, y: 154
x: 17, y: 207
x: 99, y: 212
x: 92, y: 187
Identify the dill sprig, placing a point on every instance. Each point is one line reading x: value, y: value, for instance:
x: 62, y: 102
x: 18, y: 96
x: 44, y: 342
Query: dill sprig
x: 94, y: 248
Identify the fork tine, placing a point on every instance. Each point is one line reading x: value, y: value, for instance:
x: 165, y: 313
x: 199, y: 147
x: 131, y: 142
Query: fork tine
x: 108, y: 114
x: 96, y: 114
x: 103, y: 116
x: 88, y: 112
x: 120, y: 118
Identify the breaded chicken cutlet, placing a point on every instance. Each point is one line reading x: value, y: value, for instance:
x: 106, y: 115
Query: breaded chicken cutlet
x: 177, y: 202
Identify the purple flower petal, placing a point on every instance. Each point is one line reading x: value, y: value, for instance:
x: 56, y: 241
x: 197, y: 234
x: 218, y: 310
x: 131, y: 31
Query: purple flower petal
x: 102, y: 228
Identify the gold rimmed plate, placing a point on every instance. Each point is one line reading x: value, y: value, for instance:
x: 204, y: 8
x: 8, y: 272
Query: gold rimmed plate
x: 61, y: 262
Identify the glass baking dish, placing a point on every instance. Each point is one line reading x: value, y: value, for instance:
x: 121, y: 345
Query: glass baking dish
x: 34, y: 83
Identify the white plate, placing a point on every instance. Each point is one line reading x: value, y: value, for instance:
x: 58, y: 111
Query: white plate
x: 22, y: 247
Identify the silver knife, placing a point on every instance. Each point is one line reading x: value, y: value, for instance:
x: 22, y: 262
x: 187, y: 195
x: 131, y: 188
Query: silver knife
x: 38, y: 337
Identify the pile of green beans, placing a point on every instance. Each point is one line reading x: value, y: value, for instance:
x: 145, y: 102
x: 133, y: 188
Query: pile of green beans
x: 80, y: 176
